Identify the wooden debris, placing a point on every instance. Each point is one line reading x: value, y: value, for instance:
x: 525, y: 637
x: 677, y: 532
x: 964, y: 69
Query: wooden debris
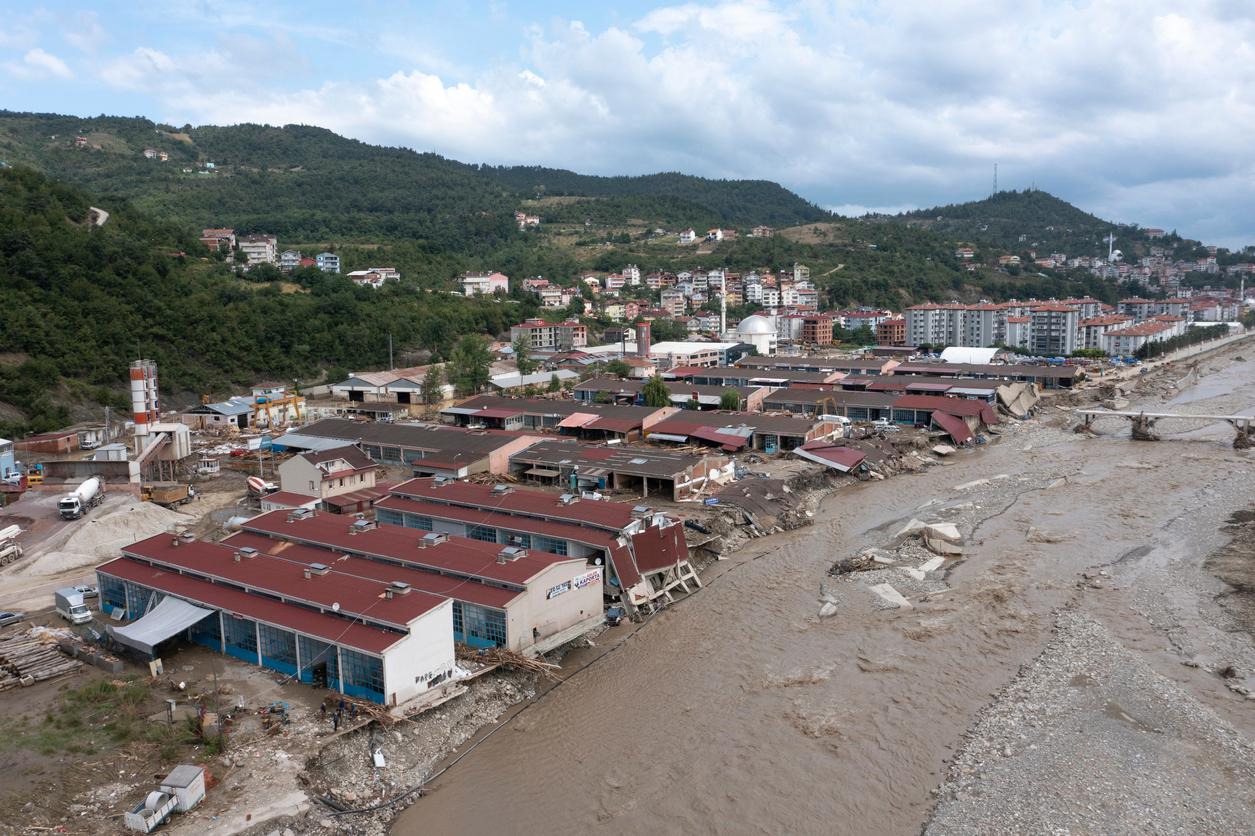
x: 24, y: 661
x: 507, y: 659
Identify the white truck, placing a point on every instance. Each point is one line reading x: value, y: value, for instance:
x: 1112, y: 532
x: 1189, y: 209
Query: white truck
x: 70, y: 605
x: 87, y: 495
x: 10, y: 549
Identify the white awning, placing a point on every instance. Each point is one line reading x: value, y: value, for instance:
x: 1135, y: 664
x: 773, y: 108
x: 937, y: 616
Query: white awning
x: 169, y: 618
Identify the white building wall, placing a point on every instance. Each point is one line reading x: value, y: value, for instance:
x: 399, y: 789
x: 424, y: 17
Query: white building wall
x: 426, y: 652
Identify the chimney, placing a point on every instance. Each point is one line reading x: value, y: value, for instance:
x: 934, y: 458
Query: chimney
x: 642, y: 340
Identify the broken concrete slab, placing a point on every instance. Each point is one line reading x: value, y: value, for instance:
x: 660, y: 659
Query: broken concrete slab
x: 944, y: 450
x: 942, y: 531
x: 941, y: 547
x: 827, y: 610
x: 890, y: 596
x: 932, y: 564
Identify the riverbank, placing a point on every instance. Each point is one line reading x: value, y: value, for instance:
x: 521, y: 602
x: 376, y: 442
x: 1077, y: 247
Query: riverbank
x: 744, y: 706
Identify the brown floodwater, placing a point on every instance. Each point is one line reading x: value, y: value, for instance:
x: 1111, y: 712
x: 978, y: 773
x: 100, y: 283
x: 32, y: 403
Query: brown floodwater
x: 738, y: 710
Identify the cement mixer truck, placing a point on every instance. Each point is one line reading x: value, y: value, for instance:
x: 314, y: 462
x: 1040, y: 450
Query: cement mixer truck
x: 87, y: 495
x: 10, y: 549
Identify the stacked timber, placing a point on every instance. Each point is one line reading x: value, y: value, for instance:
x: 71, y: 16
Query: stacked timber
x: 24, y: 661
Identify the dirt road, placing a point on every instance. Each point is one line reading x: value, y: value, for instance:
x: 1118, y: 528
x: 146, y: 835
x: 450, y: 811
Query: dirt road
x: 739, y: 710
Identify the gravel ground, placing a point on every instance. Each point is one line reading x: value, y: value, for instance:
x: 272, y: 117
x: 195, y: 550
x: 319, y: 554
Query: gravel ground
x: 1089, y: 739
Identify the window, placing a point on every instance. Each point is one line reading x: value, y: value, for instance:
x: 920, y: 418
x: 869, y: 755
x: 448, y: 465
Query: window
x: 391, y: 454
x: 373, y: 451
x: 417, y: 521
x: 481, y: 626
x: 386, y: 516
x: 549, y: 544
x: 362, y: 675
x: 241, y: 636
x: 311, y: 487
x: 482, y: 532
x: 278, y: 648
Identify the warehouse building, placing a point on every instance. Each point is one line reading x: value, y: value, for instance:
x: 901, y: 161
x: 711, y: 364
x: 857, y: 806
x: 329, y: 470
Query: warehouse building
x: 735, y: 431
x: 589, y: 421
x: 520, y: 597
x: 683, y: 393
x: 638, y: 470
x: 644, y: 551
x: 808, y: 402
x: 374, y: 639
x: 428, y: 449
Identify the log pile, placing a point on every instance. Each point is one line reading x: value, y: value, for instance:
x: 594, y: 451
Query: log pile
x: 506, y: 658
x: 24, y: 661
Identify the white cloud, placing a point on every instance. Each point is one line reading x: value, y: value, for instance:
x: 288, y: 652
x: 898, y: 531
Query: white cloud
x: 37, y: 63
x: 1116, y: 105
x: 85, y: 32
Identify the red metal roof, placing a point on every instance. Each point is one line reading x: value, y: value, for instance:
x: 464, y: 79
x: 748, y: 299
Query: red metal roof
x: 659, y: 548
x: 613, y: 516
x: 264, y: 573
x: 616, y: 425
x: 330, y: 628
x: 458, y: 555
x: 596, y: 537
x: 497, y: 412
x: 846, y: 458
x: 445, y: 586
x: 954, y: 426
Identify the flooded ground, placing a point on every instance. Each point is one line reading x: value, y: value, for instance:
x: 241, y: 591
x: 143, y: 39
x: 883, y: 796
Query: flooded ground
x: 739, y: 710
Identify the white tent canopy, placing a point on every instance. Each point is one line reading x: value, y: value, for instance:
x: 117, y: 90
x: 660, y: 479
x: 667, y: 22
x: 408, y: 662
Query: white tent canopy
x: 169, y: 618
x: 978, y: 356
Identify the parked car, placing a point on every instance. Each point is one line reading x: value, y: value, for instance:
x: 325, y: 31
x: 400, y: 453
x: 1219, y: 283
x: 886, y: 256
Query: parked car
x: 87, y: 590
x: 884, y: 425
x: 7, y: 618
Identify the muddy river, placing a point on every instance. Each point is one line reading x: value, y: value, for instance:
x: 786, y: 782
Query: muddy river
x: 739, y: 710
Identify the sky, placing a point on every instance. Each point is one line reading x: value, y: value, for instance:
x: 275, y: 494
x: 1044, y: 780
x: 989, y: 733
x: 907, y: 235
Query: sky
x: 1140, y: 111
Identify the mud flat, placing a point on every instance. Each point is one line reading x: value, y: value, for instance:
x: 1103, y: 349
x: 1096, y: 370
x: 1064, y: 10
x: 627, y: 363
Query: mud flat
x: 1088, y: 738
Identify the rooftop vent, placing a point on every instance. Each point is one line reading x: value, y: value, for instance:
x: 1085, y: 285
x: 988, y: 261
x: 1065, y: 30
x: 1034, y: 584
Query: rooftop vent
x: 186, y: 536
x: 361, y: 525
x: 639, y: 461
x: 440, y: 481
x: 317, y: 569
x: 300, y: 514
x: 399, y: 587
x: 568, y: 499
x: 641, y: 511
x: 511, y: 553
x: 432, y: 538
x: 501, y: 490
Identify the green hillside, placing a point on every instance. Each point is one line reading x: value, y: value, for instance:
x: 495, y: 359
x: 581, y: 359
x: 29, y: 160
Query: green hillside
x: 82, y: 301
x: 733, y: 202
x: 1015, y: 221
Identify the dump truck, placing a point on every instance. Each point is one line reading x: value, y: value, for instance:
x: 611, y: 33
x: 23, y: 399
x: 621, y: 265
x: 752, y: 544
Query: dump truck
x: 70, y: 605
x: 167, y: 494
x: 87, y: 495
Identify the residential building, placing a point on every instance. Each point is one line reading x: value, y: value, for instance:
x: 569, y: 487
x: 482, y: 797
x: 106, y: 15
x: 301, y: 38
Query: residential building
x: 258, y: 249
x: 891, y: 332
x: 328, y: 262
x: 1093, y: 329
x: 1053, y: 330
x: 688, y: 236
x: 817, y: 329
x: 218, y: 239
x: 485, y: 284
x: 1017, y: 330
x: 1122, y: 342
x: 551, y: 336
x: 289, y: 260
x: 327, y: 473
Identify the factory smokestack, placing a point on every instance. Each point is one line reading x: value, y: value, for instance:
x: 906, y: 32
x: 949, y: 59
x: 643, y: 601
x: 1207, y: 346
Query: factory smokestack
x: 642, y: 340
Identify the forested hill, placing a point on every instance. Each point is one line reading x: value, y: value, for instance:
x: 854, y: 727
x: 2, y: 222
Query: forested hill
x: 740, y: 202
x: 309, y: 184
x: 1031, y: 219
x: 81, y: 302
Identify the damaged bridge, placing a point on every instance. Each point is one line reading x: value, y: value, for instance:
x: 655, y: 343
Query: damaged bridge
x: 1143, y: 423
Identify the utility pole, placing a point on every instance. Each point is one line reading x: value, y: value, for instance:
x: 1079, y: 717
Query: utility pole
x: 391, y: 365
